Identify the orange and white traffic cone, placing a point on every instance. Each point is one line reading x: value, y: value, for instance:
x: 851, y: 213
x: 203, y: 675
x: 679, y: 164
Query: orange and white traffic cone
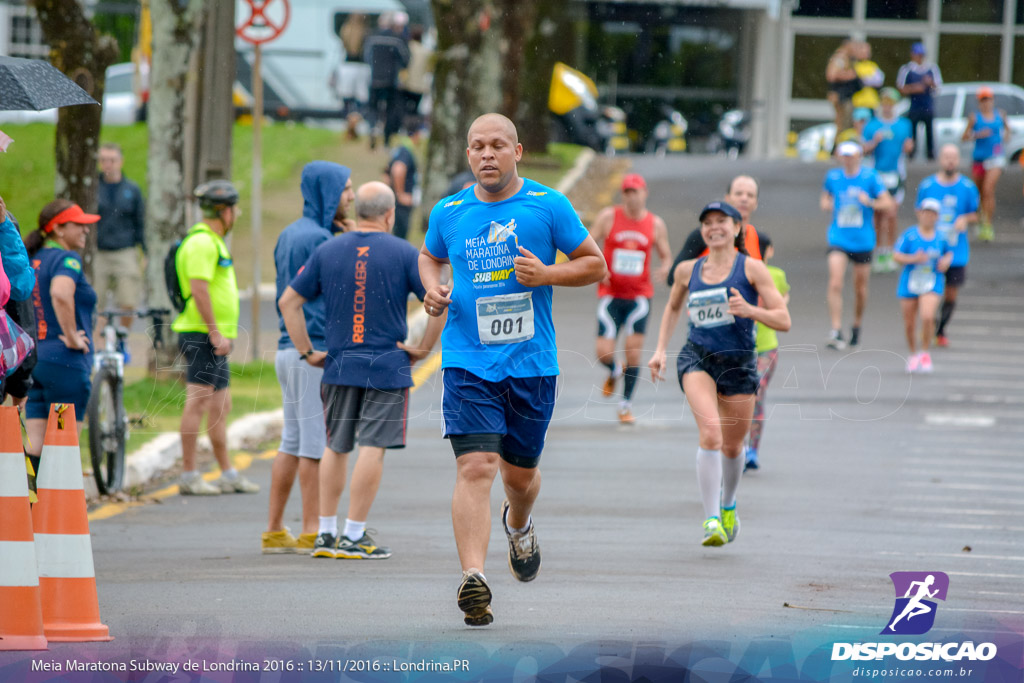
x: 71, y: 610
x: 21, y: 618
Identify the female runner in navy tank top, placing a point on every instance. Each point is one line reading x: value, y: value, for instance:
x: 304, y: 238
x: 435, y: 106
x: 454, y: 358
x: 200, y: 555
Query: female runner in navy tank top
x: 718, y: 365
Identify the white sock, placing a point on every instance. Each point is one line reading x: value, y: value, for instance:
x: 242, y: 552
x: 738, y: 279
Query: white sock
x: 230, y: 474
x: 732, y: 470
x: 329, y: 525
x: 189, y: 475
x: 709, y: 478
x: 354, y: 530
x: 529, y: 523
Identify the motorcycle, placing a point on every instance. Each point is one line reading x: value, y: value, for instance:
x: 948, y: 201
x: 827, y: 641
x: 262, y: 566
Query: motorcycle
x: 732, y: 135
x: 572, y: 100
x: 669, y: 134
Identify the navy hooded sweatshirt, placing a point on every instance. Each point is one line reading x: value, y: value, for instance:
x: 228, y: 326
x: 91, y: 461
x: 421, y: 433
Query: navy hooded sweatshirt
x: 322, y: 185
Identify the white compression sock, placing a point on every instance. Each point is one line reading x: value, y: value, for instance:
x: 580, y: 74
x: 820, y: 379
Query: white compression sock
x: 709, y: 478
x: 354, y: 530
x: 732, y: 471
x: 329, y: 525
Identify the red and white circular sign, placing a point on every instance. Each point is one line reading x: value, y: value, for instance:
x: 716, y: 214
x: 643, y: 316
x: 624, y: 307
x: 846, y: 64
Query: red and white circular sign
x: 267, y: 20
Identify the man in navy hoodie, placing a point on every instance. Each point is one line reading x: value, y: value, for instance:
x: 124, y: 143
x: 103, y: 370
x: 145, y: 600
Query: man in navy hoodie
x: 327, y: 195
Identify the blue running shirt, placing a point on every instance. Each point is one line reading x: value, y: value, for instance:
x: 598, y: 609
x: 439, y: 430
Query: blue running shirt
x: 496, y: 327
x: 957, y: 199
x: 853, y: 223
x: 921, y: 278
x: 889, y: 151
x: 992, y: 145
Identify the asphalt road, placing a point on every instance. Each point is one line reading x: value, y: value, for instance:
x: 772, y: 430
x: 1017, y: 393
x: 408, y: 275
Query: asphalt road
x: 866, y: 471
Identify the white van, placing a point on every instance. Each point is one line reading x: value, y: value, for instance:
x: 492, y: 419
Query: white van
x: 298, y: 65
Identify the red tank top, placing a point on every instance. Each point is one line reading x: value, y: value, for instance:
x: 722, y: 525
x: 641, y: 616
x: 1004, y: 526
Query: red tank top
x: 627, y: 250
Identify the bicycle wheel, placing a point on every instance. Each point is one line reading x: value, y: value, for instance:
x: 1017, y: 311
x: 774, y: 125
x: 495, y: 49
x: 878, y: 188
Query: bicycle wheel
x: 107, y: 430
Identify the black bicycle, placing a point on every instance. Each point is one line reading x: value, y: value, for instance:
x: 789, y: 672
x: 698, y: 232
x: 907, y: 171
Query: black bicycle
x: 106, y: 415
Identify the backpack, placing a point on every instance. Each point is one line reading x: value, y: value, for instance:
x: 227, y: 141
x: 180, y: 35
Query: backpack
x: 171, y: 279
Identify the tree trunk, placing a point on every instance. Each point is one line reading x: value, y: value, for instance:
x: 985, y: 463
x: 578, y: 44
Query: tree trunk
x: 78, y: 51
x: 467, y: 83
x: 550, y: 39
x: 175, y: 37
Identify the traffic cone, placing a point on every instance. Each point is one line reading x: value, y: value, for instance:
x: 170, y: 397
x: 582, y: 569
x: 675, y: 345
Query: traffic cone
x: 21, y: 618
x: 71, y: 610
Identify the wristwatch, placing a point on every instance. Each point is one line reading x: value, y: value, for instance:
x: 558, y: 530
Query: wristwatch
x: 307, y: 354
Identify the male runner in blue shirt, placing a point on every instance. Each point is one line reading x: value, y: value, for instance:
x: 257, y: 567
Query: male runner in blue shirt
x: 499, y: 360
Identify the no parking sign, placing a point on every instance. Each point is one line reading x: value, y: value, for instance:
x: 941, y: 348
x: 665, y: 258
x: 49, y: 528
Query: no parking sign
x: 267, y: 20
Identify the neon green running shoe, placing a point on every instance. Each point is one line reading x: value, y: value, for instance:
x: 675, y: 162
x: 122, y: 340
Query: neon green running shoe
x: 730, y: 523
x: 714, y: 534
x: 985, y: 232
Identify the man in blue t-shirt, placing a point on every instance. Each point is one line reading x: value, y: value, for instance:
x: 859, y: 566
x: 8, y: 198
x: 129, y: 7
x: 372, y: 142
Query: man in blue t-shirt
x: 499, y: 360
x: 850, y: 194
x: 959, y: 199
x: 402, y: 175
x: 889, y: 138
x: 364, y: 278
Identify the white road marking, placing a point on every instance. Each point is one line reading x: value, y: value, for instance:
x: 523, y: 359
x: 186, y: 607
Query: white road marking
x: 954, y: 420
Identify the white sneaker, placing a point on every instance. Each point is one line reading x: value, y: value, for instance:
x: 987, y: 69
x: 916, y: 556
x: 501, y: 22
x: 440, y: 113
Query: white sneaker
x: 196, y: 486
x: 237, y: 485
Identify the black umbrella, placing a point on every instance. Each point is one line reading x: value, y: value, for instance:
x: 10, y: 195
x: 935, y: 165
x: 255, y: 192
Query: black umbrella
x: 37, y: 85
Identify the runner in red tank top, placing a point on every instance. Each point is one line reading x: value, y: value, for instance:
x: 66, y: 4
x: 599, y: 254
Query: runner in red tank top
x: 627, y: 233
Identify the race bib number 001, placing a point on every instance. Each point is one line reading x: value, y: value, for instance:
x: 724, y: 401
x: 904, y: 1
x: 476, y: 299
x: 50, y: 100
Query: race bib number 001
x: 505, y: 319
x: 710, y: 308
x: 628, y: 262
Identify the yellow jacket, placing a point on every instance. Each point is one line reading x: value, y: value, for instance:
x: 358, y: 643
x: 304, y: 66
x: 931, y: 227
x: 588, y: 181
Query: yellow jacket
x: 872, y: 77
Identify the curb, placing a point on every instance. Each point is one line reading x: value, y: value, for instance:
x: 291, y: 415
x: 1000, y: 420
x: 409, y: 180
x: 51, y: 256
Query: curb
x: 163, y: 452
x: 577, y: 171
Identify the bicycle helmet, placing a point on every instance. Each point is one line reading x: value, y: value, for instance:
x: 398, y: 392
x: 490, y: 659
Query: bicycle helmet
x: 215, y: 194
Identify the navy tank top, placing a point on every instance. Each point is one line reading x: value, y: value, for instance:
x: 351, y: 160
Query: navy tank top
x: 711, y: 324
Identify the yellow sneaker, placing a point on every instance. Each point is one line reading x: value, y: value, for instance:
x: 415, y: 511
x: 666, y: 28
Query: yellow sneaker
x: 626, y: 416
x: 305, y: 544
x: 730, y: 523
x: 278, y: 542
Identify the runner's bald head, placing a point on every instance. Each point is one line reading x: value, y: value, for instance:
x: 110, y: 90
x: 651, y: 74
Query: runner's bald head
x: 492, y: 121
x: 373, y: 200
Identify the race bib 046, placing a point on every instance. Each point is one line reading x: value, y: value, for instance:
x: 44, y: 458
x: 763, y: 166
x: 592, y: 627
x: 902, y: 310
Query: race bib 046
x: 710, y: 308
x: 505, y: 319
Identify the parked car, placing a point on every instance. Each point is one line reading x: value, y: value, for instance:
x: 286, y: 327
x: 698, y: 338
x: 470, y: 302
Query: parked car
x: 953, y: 103
x: 120, y: 103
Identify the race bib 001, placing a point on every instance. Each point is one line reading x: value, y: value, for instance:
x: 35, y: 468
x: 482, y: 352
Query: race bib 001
x: 628, y: 262
x: 850, y: 216
x: 922, y: 280
x: 710, y: 308
x: 505, y: 319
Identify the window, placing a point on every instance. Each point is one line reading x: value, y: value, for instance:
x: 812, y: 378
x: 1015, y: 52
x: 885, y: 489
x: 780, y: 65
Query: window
x: 969, y: 57
x: 944, y: 104
x: 26, y: 35
x: 973, y: 11
x: 898, y: 9
x: 811, y: 55
x: 119, y: 83
x: 824, y: 8
x: 1011, y: 104
x: 890, y: 54
x: 1018, y: 54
